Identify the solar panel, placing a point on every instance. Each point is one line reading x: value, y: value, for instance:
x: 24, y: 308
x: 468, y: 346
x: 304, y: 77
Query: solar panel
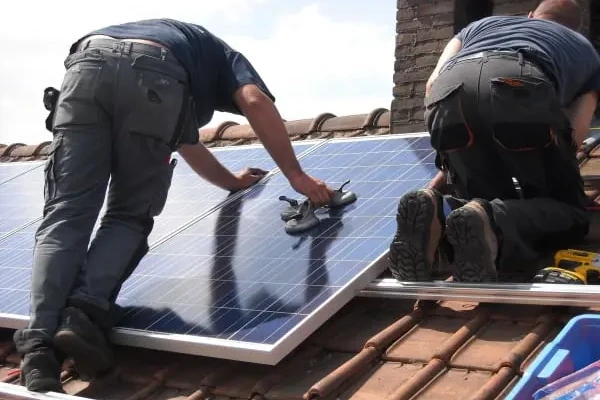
x: 21, y: 204
x: 235, y: 285
x: 231, y: 283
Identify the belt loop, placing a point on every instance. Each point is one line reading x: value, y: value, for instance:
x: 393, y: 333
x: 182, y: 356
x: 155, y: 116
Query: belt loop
x: 163, y: 54
x: 484, y: 57
x: 521, y: 60
x: 127, y: 48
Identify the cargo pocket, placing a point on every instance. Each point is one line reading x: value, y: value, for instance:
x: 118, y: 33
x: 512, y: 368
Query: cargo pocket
x: 162, y: 184
x: 50, y: 169
x: 522, y: 113
x: 445, y: 119
x: 155, y: 103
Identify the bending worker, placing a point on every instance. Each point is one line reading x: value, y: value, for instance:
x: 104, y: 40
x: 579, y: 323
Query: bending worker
x: 131, y: 95
x: 510, y: 97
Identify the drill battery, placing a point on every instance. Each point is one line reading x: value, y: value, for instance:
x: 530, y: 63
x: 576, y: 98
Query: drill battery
x: 572, y: 267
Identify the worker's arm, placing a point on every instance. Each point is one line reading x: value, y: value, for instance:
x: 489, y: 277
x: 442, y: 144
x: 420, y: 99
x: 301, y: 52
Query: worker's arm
x: 266, y: 122
x: 580, y: 113
x: 438, y: 182
x: 451, y: 49
x: 204, y: 163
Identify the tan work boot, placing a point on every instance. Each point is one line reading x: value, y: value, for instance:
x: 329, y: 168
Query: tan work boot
x: 474, y: 237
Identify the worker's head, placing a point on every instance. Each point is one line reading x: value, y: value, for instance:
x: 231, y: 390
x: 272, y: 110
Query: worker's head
x: 565, y: 12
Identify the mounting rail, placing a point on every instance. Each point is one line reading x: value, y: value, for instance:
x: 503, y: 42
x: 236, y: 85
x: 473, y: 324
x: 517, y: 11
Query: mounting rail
x: 535, y: 294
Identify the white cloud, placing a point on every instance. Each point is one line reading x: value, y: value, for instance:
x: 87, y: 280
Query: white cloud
x: 313, y: 63
x: 310, y: 61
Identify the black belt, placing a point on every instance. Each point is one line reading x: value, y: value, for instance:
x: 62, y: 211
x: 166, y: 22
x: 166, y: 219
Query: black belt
x: 128, y: 47
x: 517, y: 56
x: 492, y: 54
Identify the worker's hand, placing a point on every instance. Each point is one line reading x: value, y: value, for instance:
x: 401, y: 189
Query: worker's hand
x: 247, y: 178
x: 316, y: 190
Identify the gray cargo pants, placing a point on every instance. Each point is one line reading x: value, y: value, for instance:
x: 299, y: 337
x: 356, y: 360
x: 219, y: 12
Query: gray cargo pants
x: 493, y: 117
x: 124, y: 108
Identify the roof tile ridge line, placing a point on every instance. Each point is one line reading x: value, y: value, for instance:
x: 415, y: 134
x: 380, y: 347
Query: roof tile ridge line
x: 440, y: 360
x: 223, y: 203
x: 19, y: 228
x: 21, y: 174
x: 10, y: 147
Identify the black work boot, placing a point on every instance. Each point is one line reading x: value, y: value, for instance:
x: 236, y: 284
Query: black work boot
x: 40, y: 372
x: 473, y: 234
x: 79, y: 338
x: 40, y: 367
x: 414, y: 251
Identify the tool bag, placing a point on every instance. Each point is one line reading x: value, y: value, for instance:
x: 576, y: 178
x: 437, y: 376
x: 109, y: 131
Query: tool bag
x: 50, y: 99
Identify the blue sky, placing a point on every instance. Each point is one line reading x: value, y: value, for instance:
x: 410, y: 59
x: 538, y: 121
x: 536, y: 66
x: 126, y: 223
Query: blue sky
x: 333, y: 55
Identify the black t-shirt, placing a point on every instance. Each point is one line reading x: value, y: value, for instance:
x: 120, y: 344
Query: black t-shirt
x: 215, y: 70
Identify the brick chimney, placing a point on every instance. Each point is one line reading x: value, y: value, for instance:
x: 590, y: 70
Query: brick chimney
x: 423, y: 27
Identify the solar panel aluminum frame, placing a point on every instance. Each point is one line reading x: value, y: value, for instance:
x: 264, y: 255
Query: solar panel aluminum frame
x: 263, y: 353
x: 10, y: 391
x: 508, y: 293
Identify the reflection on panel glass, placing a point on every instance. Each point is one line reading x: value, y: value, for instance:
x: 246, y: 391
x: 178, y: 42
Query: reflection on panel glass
x: 237, y: 275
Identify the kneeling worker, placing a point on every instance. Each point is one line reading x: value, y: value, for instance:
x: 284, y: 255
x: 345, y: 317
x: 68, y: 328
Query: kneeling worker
x: 510, y: 97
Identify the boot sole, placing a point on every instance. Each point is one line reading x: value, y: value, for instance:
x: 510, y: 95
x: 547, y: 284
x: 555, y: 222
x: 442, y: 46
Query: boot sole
x: 465, y: 230
x: 87, y: 358
x: 416, y: 229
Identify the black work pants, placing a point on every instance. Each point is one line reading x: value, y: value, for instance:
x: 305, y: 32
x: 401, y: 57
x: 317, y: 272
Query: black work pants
x: 494, y: 117
x: 122, y: 110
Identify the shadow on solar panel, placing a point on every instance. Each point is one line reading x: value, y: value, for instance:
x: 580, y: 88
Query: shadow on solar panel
x: 235, y: 285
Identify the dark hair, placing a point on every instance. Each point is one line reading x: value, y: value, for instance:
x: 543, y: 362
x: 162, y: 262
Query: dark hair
x: 564, y: 12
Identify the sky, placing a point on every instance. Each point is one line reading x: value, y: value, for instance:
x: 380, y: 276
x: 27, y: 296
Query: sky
x: 315, y: 56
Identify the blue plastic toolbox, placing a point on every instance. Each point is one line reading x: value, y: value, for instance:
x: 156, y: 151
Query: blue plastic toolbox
x: 575, y: 347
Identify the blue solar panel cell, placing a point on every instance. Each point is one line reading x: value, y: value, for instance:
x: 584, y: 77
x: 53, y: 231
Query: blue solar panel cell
x: 236, y: 274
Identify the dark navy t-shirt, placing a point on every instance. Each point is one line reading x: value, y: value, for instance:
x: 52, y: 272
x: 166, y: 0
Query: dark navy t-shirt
x: 216, y: 70
x: 567, y: 55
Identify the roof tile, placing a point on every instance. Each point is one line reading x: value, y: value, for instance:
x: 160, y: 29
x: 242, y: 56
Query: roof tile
x: 455, y: 384
x: 422, y: 342
x: 380, y: 382
x: 295, y: 385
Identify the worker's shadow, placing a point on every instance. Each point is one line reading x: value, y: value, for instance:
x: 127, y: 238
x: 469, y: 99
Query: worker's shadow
x: 226, y: 315
x: 317, y: 274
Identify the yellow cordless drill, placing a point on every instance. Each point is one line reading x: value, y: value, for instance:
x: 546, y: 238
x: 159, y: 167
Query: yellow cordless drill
x: 572, y: 267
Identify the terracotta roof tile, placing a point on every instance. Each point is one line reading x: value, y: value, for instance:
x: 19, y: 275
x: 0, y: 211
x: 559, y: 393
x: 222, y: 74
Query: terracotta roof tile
x: 371, y: 349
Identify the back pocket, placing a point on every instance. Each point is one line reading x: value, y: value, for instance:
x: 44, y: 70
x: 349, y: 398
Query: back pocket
x: 522, y: 112
x: 155, y: 102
